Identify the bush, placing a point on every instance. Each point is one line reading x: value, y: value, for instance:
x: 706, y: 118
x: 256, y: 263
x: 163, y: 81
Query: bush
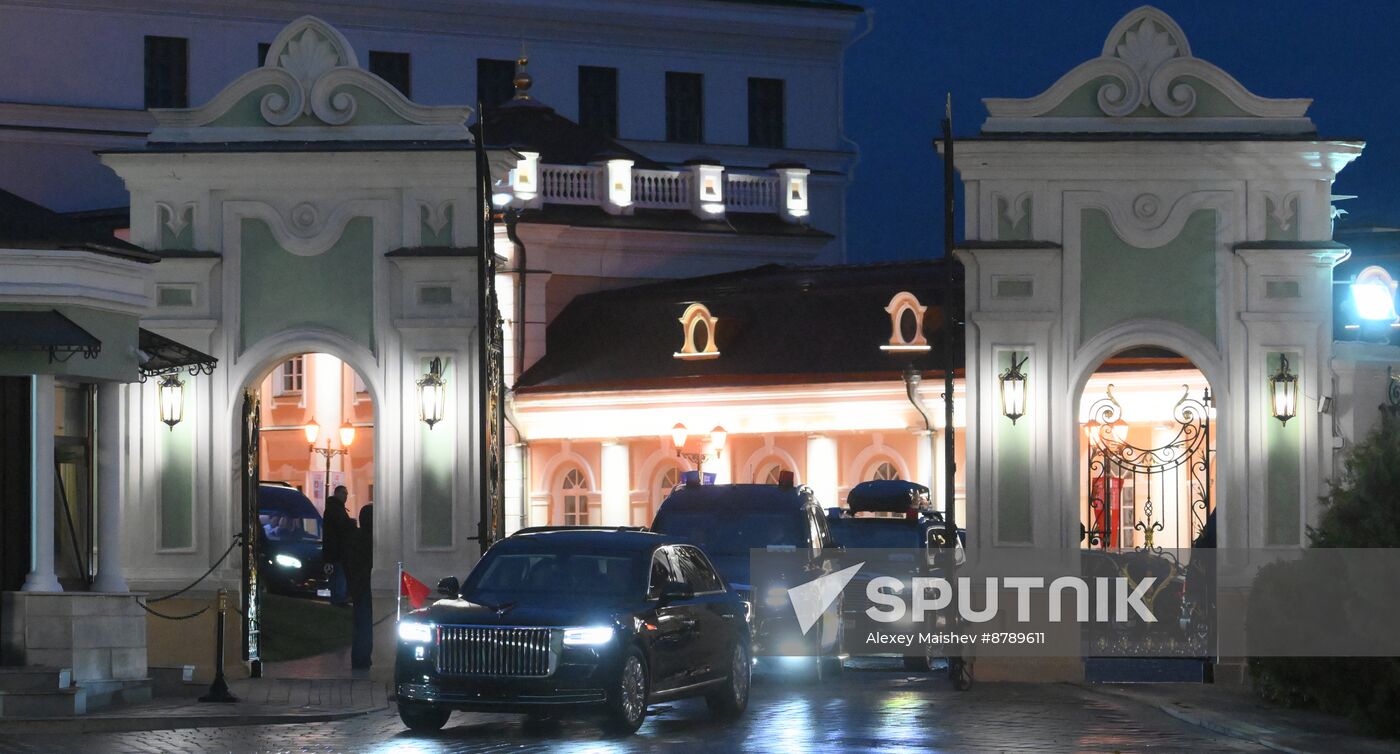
x: 1361, y: 511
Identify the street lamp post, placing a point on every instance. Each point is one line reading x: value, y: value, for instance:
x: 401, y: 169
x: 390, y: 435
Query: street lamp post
x: 718, y: 436
x: 347, y: 437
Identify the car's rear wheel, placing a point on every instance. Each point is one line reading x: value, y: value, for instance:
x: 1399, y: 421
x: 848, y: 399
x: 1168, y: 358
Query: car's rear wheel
x: 731, y: 701
x: 627, y: 705
x: 424, y: 718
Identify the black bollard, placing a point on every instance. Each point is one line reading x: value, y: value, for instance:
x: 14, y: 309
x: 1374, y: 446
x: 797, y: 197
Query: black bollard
x: 218, y: 690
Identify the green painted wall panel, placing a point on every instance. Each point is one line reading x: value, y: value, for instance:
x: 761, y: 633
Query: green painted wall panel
x: 331, y: 291
x: 437, y: 453
x: 1120, y: 282
x: 1284, y: 475
x: 1013, y: 464
x: 177, y: 478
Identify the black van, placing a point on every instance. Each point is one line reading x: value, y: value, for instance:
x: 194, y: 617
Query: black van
x: 729, y: 520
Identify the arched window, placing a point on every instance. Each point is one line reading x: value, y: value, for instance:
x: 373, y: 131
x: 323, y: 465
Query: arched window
x: 882, y: 471
x: 573, y: 498
x: 906, y: 323
x: 665, y: 482
x: 698, y: 331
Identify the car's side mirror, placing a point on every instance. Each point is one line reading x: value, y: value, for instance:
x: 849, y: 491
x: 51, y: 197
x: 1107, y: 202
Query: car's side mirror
x: 676, y: 590
x: 449, y: 586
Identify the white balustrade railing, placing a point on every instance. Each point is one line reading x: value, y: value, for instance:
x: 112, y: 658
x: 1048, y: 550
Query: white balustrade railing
x: 751, y: 193
x: 661, y: 189
x: 782, y: 190
x: 571, y: 184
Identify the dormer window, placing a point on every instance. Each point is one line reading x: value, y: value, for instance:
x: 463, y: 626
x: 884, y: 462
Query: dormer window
x: 698, y: 329
x: 906, y: 324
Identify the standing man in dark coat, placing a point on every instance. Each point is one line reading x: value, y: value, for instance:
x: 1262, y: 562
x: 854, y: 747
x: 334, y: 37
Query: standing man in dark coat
x: 359, y: 563
x: 335, y: 544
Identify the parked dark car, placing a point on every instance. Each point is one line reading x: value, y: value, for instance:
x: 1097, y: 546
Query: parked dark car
x: 576, y: 621
x: 895, y: 517
x: 290, y: 542
x: 729, y: 520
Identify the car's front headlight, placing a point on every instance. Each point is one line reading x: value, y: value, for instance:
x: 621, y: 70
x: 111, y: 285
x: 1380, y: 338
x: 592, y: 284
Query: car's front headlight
x: 588, y: 636
x: 287, y: 561
x: 413, y: 631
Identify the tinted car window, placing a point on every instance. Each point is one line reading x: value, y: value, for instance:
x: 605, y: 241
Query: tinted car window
x: 662, y: 571
x: 696, y: 570
x: 280, y: 527
x: 517, y: 574
x: 727, y: 533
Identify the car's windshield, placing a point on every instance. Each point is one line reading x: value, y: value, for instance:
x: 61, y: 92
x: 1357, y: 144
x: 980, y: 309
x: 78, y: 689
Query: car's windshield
x: 727, y: 532
x: 511, y: 576
x: 280, y: 527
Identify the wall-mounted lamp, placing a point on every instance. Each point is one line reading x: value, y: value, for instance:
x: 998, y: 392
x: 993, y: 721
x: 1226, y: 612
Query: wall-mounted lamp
x: 432, y: 394
x: 1013, y: 389
x: 1373, y: 295
x: 171, y: 393
x: 1283, y: 391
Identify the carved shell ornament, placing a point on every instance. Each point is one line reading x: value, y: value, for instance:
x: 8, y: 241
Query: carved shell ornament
x: 310, y: 79
x: 1146, y: 69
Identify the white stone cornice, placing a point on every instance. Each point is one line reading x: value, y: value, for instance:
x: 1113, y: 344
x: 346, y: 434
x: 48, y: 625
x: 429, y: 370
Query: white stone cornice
x: 1129, y: 159
x: 75, y: 277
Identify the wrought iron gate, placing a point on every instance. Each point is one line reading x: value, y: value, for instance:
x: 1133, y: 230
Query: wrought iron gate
x: 1148, y: 513
x: 1148, y: 498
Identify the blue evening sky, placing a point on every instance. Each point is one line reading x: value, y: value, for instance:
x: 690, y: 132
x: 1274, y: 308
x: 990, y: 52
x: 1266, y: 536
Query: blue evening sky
x: 1345, y: 56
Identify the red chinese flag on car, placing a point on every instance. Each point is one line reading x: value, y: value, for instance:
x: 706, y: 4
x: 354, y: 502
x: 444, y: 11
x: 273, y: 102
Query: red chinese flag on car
x: 416, y: 591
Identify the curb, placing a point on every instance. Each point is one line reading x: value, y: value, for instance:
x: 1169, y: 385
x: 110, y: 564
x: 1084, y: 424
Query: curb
x: 127, y: 724
x: 1211, y: 721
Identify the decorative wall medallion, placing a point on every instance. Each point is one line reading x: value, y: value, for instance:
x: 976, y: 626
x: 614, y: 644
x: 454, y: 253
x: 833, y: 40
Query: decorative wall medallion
x: 1013, y: 216
x: 1146, y: 207
x: 305, y: 229
x: 1281, y: 209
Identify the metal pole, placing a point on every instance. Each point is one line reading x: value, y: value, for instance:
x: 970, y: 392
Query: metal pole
x: 218, y: 690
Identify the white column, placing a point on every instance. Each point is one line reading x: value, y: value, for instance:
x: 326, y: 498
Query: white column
x: 923, y: 453
x: 41, y: 577
x: 515, y: 488
x: 823, y: 469
x: 616, y: 484
x: 109, y: 489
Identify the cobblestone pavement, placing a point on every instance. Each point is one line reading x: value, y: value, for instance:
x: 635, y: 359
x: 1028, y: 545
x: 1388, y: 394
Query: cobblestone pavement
x: 875, y: 711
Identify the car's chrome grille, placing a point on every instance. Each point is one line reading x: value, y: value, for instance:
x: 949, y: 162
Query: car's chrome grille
x: 494, y: 651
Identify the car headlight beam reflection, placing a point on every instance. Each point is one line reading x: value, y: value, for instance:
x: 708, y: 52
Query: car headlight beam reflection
x: 413, y: 631
x: 588, y: 636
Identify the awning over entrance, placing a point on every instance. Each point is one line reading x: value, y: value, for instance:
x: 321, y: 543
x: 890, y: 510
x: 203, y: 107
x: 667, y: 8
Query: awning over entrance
x: 46, y: 331
x: 161, y: 355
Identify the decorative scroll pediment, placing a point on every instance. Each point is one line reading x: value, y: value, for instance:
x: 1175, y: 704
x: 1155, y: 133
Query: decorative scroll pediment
x: 1147, y: 80
x: 310, y: 88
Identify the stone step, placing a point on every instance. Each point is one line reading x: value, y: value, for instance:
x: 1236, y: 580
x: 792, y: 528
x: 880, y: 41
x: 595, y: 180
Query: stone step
x: 47, y: 703
x: 34, y: 678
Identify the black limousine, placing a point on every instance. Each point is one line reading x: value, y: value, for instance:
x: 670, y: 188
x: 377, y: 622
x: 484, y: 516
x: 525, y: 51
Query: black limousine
x: 576, y: 621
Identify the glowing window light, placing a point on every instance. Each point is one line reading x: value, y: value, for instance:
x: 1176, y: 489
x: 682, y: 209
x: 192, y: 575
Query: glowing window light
x: 1373, y: 294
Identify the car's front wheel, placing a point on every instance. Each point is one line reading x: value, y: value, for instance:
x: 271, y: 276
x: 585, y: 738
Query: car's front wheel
x: 627, y: 705
x: 731, y: 701
x: 423, y: 718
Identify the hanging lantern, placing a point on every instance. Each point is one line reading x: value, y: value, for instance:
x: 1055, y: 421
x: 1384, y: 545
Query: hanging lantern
x: 679, y: 434
x: 718, y: 437
x: 1283, y: 391
x: 432, y: 394
x: 347, y: 434
x: 172, y: 400
x: 1013, y: 390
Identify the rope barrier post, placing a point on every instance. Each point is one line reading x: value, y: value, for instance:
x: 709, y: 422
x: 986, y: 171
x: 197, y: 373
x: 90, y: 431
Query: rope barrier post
x: 218, y: 690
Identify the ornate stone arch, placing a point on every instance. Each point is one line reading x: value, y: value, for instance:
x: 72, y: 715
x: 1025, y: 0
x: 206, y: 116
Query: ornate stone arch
x: 766, y: 455
x: 872, y: 454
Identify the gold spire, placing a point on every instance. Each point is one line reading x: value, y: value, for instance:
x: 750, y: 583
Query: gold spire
x: 522, y: 75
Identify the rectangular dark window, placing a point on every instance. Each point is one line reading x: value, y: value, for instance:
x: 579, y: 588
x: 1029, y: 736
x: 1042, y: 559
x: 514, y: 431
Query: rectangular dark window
x: 766, y: 125
x: 597, y: 99
x: 167, y: 72
x: 685, y: 107
x: 263, y: 47
x: 495, y: 81
x: 393, y: 67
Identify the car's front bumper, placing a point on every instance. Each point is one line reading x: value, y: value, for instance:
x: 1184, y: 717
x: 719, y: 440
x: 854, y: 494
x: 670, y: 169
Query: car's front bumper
x: 578, y: 683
